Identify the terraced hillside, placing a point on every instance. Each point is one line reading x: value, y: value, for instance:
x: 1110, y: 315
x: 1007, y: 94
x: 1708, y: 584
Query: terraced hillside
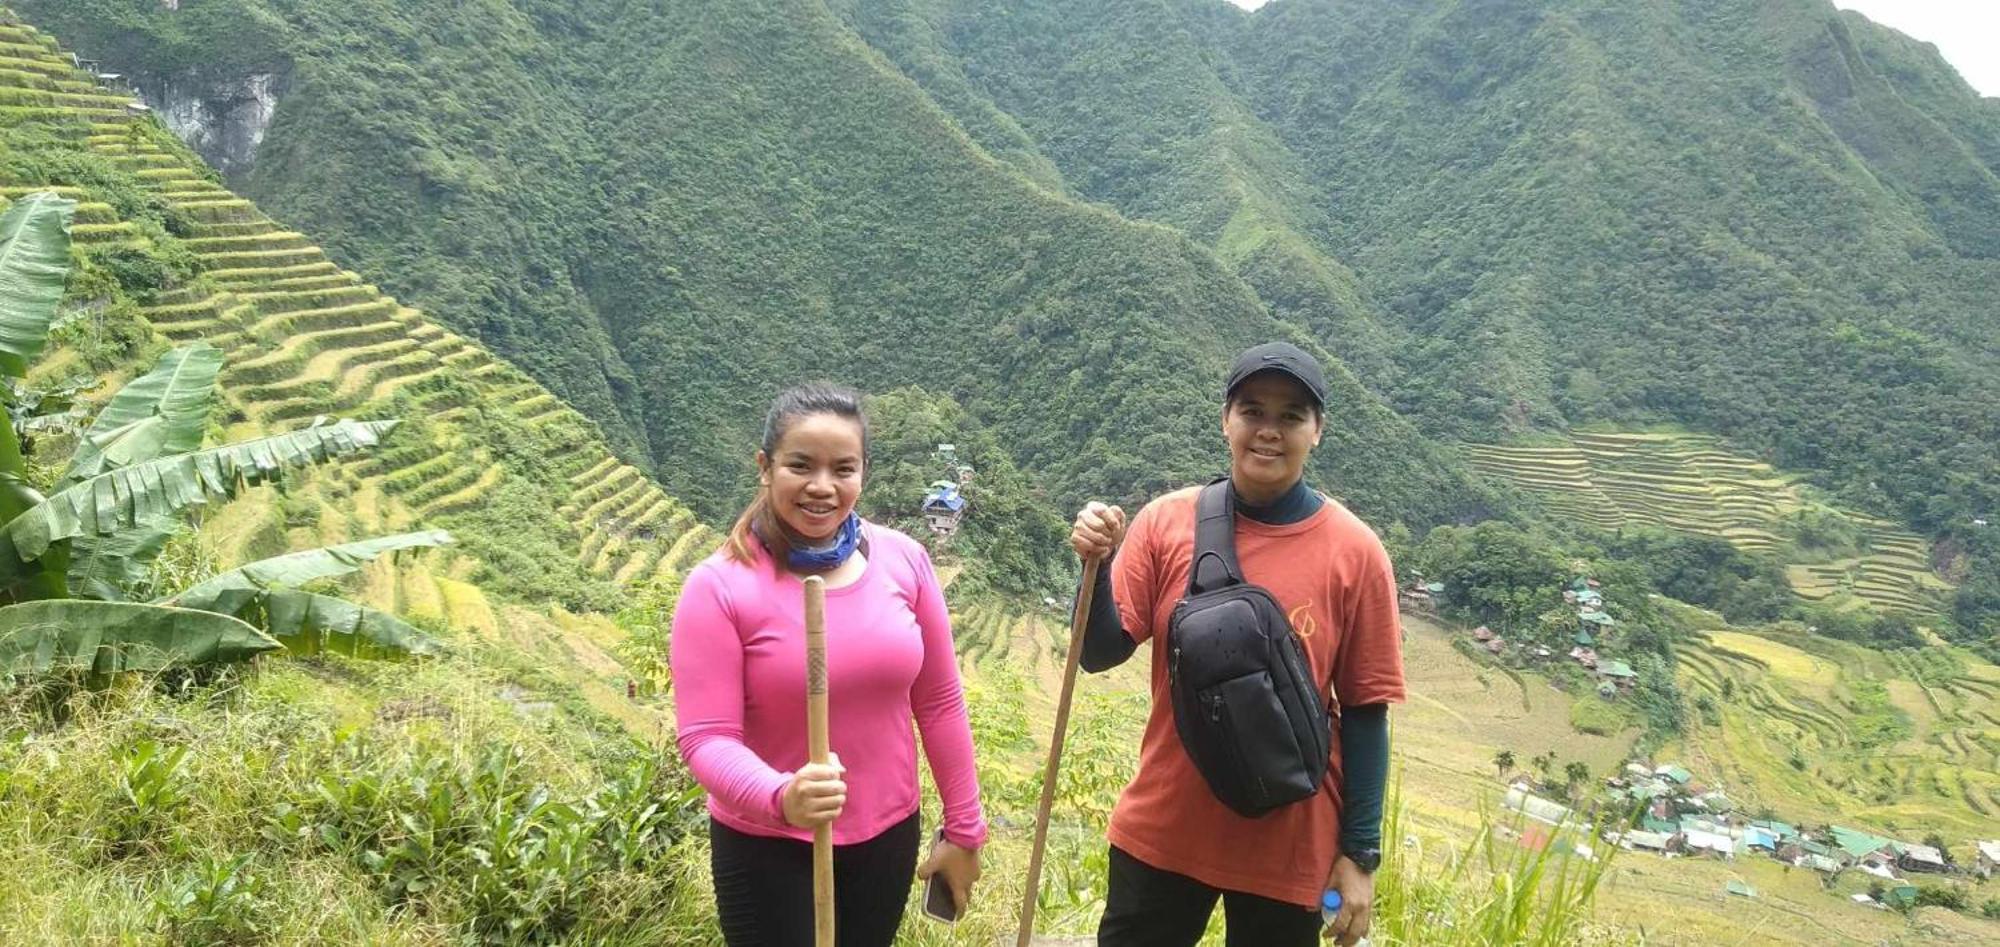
x: 488, y: 452
x: 1691, y: 482
x: 1821, y: 730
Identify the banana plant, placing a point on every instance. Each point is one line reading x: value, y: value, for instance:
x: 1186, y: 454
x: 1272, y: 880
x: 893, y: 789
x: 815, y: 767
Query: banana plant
x: 69, y: 559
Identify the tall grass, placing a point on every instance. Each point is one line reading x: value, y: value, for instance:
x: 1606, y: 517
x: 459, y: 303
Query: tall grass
x: 1491, y: 890
x: 328, y: 801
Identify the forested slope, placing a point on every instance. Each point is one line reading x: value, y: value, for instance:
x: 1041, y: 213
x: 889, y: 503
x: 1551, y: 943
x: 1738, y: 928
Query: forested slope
x: 1770, y: 221
x: 1773, y: 222
x: 604, y: 192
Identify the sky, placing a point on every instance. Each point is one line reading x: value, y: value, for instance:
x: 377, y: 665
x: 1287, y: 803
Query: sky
x: 1967, y: 32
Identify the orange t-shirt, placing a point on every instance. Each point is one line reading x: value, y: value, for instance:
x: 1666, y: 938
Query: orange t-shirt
x: 1331, y: 575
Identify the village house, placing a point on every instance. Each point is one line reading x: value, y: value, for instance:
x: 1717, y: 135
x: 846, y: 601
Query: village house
x: 1709, y: 843
x: 1901, y: 896
x: 1867, y: 851
x: 1760, y: 839
x: 1987, y: 863
x: 1921, y: 858
x: 1519, y: 799
x: 1660, y: 843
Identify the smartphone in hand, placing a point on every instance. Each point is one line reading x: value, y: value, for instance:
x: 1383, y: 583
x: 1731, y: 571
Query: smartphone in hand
x: 938, y: 902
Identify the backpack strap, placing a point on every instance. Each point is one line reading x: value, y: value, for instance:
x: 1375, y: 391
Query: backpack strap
x: 1215, y: 564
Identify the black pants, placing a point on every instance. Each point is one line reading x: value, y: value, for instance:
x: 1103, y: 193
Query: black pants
x: 763, y: 887
x: 1148, y: 907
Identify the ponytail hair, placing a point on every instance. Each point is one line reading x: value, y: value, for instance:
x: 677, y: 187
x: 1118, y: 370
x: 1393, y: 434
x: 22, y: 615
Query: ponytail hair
x: 758, y: 523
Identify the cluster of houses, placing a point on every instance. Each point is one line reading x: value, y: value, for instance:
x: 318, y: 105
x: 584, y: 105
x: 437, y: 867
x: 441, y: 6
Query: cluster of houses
x: 1594, y: 625
x: 1678, y: 817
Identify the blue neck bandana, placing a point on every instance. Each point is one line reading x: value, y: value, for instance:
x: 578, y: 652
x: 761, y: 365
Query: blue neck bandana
x: 831, y: 555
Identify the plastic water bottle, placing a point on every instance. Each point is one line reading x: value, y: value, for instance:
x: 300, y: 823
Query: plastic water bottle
x: 1329, y: 908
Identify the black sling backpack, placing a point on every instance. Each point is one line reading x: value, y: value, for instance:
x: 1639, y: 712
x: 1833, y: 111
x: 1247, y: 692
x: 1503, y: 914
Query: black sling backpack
x: 1244, y: 700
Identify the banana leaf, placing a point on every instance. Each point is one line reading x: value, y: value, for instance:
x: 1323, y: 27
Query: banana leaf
x: 123, y: 497
x: 162, y: 412
x: 309, y: 623
x: 230, y: 592
x: 34, y: 266
x: 104, y: 638
x: 105, y: 567
x: 22, y: 580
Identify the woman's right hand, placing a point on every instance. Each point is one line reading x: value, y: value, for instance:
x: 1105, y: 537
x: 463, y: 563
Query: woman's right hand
x: 1098, y: 530
x: 816, y: 794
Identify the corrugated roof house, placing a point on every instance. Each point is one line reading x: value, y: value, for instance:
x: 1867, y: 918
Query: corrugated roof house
x: 1535, y: 807
x: 1699, y: 841
x: 1987, y: 862
x: 1921, y: 858
x: 1856, y: 843
x: 1650, y: 841
x: 1900, y: 896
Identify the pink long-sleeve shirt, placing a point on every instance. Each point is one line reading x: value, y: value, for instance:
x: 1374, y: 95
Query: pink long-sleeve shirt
x: 739, y: 656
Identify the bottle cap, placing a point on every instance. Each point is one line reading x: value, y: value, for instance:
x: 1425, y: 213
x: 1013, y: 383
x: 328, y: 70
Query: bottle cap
x: 1330, y: 901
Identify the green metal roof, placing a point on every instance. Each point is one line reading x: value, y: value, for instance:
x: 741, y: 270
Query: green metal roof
x: 1616, y: 669
x: 1857, y: 843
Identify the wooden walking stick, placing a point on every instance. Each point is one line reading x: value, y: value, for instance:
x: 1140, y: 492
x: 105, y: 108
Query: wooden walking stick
x: 816, y: 749
x: 1076, y: 624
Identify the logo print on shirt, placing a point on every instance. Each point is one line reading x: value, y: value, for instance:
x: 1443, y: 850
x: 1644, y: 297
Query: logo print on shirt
x: 1302, y: 620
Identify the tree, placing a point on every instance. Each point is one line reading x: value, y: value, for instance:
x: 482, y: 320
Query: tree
x: 1544, y: 764
x: 1502, y: 762
x: 69, y: 559
x: 1575, y: 774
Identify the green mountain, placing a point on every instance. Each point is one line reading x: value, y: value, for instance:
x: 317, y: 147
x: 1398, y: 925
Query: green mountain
x: 1775, y: 222
x: 604, y: 193
x: 1772, y: 222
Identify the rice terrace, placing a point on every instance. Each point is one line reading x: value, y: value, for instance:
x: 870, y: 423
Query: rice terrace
x: 1693, y: 483
x: 378, y: 373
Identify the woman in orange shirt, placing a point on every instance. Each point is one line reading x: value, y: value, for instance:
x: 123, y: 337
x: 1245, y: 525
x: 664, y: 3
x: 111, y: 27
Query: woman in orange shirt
x: 1175, y: 848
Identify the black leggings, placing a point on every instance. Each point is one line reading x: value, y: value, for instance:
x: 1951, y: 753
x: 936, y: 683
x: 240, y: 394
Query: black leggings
x: 763, y: 887
x: 1152, y: 907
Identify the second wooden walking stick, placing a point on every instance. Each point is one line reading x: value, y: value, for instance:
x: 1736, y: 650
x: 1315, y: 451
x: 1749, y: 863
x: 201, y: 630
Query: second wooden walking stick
x: 1076, y: 625
x: 816, y: 748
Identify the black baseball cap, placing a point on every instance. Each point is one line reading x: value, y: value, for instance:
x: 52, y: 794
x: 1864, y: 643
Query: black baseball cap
x: 1278, y: 357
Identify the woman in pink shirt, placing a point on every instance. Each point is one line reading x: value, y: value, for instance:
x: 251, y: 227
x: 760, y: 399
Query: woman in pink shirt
x: 739, y: 672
